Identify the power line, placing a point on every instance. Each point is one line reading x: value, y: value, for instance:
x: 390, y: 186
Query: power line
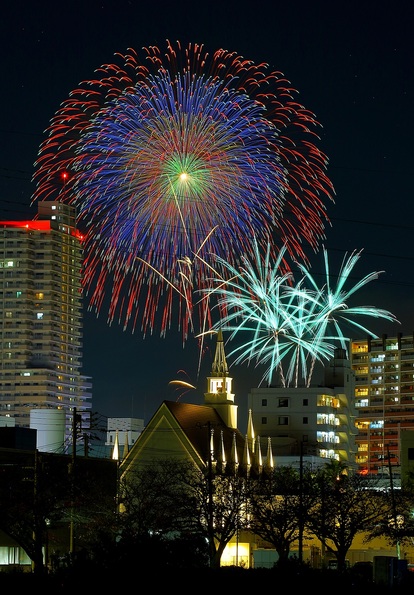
x: 387, y: 225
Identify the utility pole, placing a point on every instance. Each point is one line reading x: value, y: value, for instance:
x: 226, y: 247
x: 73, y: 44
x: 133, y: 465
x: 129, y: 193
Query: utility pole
x: 72, y: 480
x: 394, y: 507
x: 210, y: 494
x: 300, y: 536
x: 37, y: 519
x: 86, y: 444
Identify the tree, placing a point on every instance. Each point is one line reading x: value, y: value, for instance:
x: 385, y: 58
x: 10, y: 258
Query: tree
x: 278, y: 502
x: 39, y: 498
x: 397, y: 522
x: 178, y: 501
x: 217, y: 501
x: 348, y: 504
x: 157, y: 522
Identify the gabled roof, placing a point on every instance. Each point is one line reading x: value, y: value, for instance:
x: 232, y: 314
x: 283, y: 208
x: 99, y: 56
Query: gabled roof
x: 192, y: 418
x: 182, y: 430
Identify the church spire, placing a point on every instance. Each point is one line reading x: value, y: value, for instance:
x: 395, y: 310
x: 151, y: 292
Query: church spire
x: 219, y: 386
x: 250, y: 431
x: 219, y: 367
x: 115, y: 450
x: 269, y: 458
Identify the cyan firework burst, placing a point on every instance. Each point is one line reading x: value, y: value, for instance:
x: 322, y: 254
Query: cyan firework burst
x: 175, y: 158
x: 289, y: 325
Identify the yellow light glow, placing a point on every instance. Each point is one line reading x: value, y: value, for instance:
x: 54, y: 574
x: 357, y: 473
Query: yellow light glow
x: 236, y: 554
x: 183, y: 177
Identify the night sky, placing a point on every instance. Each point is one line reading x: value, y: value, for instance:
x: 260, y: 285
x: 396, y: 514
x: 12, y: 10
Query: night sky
x: 352, y: 63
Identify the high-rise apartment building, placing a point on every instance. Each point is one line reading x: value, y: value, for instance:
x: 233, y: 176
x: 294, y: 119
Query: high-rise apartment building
x: 384, y: 400
x: 41, y: 319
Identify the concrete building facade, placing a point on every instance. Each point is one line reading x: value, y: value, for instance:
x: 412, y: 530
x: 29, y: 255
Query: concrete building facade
x: 41, y: 318
x: 122, y: 433
x: 315, y: 421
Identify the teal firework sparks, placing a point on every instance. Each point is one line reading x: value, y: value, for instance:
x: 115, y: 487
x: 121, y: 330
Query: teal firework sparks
x: 289, y: 325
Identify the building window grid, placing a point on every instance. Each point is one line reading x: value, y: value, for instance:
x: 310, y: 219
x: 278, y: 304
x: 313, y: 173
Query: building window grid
x: 392, y: 390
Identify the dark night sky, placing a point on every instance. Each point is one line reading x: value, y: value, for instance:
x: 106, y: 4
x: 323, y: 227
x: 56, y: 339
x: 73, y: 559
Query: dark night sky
x: 352, y: 63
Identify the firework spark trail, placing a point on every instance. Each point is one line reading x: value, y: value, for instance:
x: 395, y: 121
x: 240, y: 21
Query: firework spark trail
x: 259, y: 301
x: 331, y: 303
x: 158, y: 153
x: 287, y: 321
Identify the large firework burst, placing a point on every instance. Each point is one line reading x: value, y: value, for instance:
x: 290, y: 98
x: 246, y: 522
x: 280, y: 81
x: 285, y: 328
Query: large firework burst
x: 289, y: 324
x: 174, y: 158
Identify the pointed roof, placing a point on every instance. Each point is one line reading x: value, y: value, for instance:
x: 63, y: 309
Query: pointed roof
x: 115, y: 450
x: 246, y: 456
x: 258, y: 459
x: 250, y: 431
x: 269, y: 457
x: 222, y: 458
x: 181, y: 430
x: 234, y: 454
x: 193, y: 417
x: 219, y: 367
x: 126, y: 446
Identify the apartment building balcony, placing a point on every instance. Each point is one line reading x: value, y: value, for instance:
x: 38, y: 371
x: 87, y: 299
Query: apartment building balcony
x: 381, y: 461
x: 326, y: 427
x: 393, y: 379
x: 394, y: 391
x: 407, y: 389
x: 35, y: 399
x: 86, y: 386
x: 328, y: 444
x: 407, y: 400
x: 375, y: 401
x: 397, y: 412
x: 384, y: 358
x: 359, y: 361
x: 361, y: 381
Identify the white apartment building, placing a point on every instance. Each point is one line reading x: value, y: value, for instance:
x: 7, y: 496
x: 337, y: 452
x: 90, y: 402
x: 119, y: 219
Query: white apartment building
x: 318, y: 421
x: 41, y: 318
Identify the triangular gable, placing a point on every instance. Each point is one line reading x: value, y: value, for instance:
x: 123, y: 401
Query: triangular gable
x: 163, y: 438
x: 181, y: 431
